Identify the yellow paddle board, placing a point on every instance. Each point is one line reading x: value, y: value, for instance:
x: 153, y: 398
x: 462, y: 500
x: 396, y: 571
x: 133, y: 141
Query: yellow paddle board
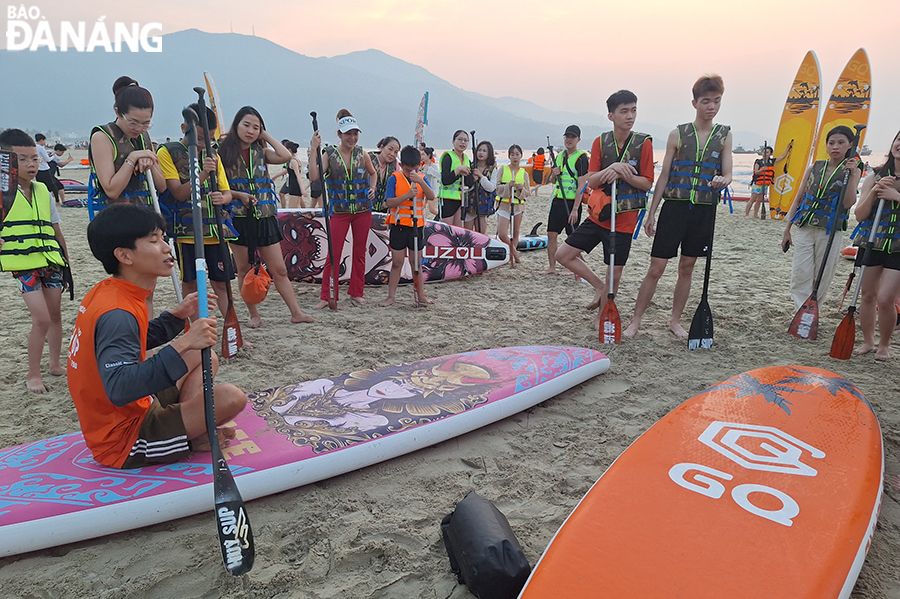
x: 849, y: 102
x: 798, y: 125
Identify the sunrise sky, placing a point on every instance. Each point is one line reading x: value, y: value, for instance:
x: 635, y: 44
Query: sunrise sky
x: 571, y: 55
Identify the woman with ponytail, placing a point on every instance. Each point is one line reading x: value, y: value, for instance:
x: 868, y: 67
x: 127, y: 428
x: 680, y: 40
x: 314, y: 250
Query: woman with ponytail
x: 246, y: 152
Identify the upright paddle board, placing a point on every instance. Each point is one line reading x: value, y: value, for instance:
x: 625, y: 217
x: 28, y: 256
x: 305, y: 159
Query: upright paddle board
x: 849, y: 102
x: 767, y: 485
x: 449, y: 253
x: 52, y: 491
x: 798, y: 125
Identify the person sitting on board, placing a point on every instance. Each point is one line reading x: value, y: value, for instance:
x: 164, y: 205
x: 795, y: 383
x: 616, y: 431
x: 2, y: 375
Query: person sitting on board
x: 512, y: 190
x: 570, y: 175
x: 763, y: 177
x: 695, y: 170
x: 33, y: 248
x: 136, y: 411
x: 881, y: 283
x: 175, y: 165
x: 621, y: 155
x: 815, y: 210
x: 405, y: 196
x: 481, y: 201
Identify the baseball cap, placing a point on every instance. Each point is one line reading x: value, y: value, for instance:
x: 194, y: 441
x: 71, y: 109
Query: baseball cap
x: 573, y: 130
x: 348, y: 123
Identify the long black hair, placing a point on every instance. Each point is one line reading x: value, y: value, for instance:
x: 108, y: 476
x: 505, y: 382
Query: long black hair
x: 230, y: 148
x: 888, y: 169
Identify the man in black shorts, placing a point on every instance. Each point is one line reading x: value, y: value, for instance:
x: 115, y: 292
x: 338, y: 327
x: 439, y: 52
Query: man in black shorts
x: 696, y: 168
x: 570, y: 176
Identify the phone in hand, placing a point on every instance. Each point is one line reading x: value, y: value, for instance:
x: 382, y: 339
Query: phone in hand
x: 786, y: 246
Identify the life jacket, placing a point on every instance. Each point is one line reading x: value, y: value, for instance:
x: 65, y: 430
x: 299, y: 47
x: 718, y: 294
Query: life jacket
x: 567, y: 181
x: 181, y: 214
x: 486, y: 197
x: 454, y: 190
x: 538, y: 163
x: 506, y: 177
x: 693, y: 167
x: 403, y: 214
x: 383, y: 175
x: 347, y: 184
x: 109, y: 431
x: 137, y: 191
x: 887, y: 234
x: 822, y: 198
x: 628, y: 198
x: 252, y: 179
x: 766, y: 173
x: 29, y: 241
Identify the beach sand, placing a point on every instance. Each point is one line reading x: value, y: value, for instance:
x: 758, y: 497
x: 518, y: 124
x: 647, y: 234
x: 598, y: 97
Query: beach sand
x: 375, y: 532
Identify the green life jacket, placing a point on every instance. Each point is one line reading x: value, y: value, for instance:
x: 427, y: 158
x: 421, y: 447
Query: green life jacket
x: 137, y: 191
x: 454, y: 190
x: 693, y: 167
x: 628, y: 198
x: 506, y: 177
x: 383, y: 175
x: 29, y: 241
x: 822, y: 200
x: 347, y: 184
x: 566, y: 183
x: 252, y: 179
x: 887, y: 233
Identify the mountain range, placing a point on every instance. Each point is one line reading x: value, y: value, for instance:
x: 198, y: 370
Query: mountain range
x: 72, y: 92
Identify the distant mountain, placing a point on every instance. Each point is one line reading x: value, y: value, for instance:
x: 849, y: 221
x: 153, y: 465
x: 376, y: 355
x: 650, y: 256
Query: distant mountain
x: 383, y: 92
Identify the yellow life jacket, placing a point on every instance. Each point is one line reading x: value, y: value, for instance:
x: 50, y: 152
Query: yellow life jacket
x: 454, y: 190
x: 29, y: 241
x: 506, y: 177
x: 403, y: 214
x: 567, y: 181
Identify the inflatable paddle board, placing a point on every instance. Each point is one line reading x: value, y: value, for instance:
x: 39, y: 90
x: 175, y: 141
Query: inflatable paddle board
x: 449, y: 253
x: 52, y: 492
x: 849, y: 102
x: 798, y: 125
x: 767, y: 485
x: 532, y: 241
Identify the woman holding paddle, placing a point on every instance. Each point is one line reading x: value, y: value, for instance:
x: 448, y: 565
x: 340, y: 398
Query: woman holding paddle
x: 246, y: 152
x: 385, y: 163
x: 482, y: 204
x: 455, y: 170
x: 881, y: 281
x: 512, y: 189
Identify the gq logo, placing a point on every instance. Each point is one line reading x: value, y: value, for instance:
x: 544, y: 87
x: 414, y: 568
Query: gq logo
x: 784, y: 183
x: 753, y: 447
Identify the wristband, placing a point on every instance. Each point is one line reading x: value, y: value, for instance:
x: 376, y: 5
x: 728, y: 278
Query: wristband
x: 128, y: 161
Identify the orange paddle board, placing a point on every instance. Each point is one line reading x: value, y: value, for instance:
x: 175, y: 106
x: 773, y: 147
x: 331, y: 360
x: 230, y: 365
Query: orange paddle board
x: 798, y: 125
x: 849, y: 102
x: 767, y: 485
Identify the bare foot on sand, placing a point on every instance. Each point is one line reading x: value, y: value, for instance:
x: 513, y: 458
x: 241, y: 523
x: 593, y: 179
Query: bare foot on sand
x: 248, y: 344
x: 549, y: 271
x: 882, y: 355
x: 302, y: 317
x: 388, y: 302
x: 254, y: 322
x: 361, y: 301
x: 57, y: 370
x: 678, y: 330
x: 321, y: 304
x: 863, y: 349
x: 632, y: 329
x: 595, y: 303
x: 225, y: 434
x: 35, y: 384
x: 425, y: 301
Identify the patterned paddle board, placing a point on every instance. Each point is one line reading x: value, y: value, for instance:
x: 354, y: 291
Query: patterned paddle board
x: 849, y: 102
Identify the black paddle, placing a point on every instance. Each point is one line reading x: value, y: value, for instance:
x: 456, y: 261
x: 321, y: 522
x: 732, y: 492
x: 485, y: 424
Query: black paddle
x: 701, y: 332
x: 235, y: 536
x: 805, y: 323
x: 475, y: 185
x: 232, y: 340
x: 332, y: 283
x: 9, y: 180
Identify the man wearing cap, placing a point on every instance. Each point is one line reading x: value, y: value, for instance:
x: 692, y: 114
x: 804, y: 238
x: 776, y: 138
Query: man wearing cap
x: 569, y: 176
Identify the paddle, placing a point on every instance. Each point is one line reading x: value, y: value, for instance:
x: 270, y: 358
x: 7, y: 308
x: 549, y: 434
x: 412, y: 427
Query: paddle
x: 232, y: 340
x: 233, y: 526
x: 176, y: 278
x: 773, y: 212
x: 333, y: 280
x: 476, y: 184
x: 417, y: 299
x: 845, y: 335
x: 805, y: 324
x: 9, y: 180
x: 610, y: 323
x: 700, y: 334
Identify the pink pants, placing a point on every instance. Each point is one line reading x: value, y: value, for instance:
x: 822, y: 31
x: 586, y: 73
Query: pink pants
x: 360, y: 224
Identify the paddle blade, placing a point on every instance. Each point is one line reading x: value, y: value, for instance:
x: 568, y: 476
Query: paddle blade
x: 700, y: 335
x: 610, y: 324
x: 9, y: 180
x: 235, y: 535
x: 805, y: 324
x: 232, y: 340
x: 844, y: 337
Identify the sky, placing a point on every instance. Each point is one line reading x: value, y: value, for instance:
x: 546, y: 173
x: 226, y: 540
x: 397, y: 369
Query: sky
x: 571, y: 55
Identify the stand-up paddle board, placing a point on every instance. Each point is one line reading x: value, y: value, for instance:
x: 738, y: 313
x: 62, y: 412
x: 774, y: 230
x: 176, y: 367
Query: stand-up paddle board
x: 449, y: 253
x: 52, y: 492
x: 798, y: 125
x: 849, y: 102
x: 532, y: 241
x: 765, y: 485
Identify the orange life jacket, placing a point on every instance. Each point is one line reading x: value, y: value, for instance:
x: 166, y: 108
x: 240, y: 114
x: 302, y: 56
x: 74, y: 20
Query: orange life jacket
x: 403, y: 214
x: 538, y: 163
x: 765, y: 175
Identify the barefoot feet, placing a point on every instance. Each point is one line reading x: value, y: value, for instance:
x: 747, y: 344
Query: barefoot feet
x: 676, y: 329
x: 35, y: 384
x: 301, y: 317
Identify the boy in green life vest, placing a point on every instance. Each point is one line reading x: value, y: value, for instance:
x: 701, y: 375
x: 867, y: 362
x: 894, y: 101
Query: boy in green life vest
x: 33, y: 248
x: 697, y: 166
x: 569, y: 175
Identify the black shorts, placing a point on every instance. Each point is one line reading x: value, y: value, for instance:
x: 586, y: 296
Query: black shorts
x: 258, y: 232
x: 47, y: 178
x: 879, y: 258
x: 682, y: 223
x: 214, y: 264
x: 402, y: 237
x: 559, y: 216
x: 589, y: 234
x: 449, y: 207
x: 537, y: 176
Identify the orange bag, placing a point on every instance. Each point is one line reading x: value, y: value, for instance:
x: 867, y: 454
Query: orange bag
x: 256, y: 285
x: 599, y: 205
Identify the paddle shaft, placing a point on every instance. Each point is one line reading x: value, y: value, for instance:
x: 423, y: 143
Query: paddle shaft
x: 476, y: 184
x: 176, y: 283
x: 235, y: 536
x: 326, y: 212
x: 416, y: 260
x: 870, y: 244
x: 612, y: 241
x: 556, y: 186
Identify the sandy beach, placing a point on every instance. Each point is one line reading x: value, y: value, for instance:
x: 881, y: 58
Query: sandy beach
x: 375, y: 532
